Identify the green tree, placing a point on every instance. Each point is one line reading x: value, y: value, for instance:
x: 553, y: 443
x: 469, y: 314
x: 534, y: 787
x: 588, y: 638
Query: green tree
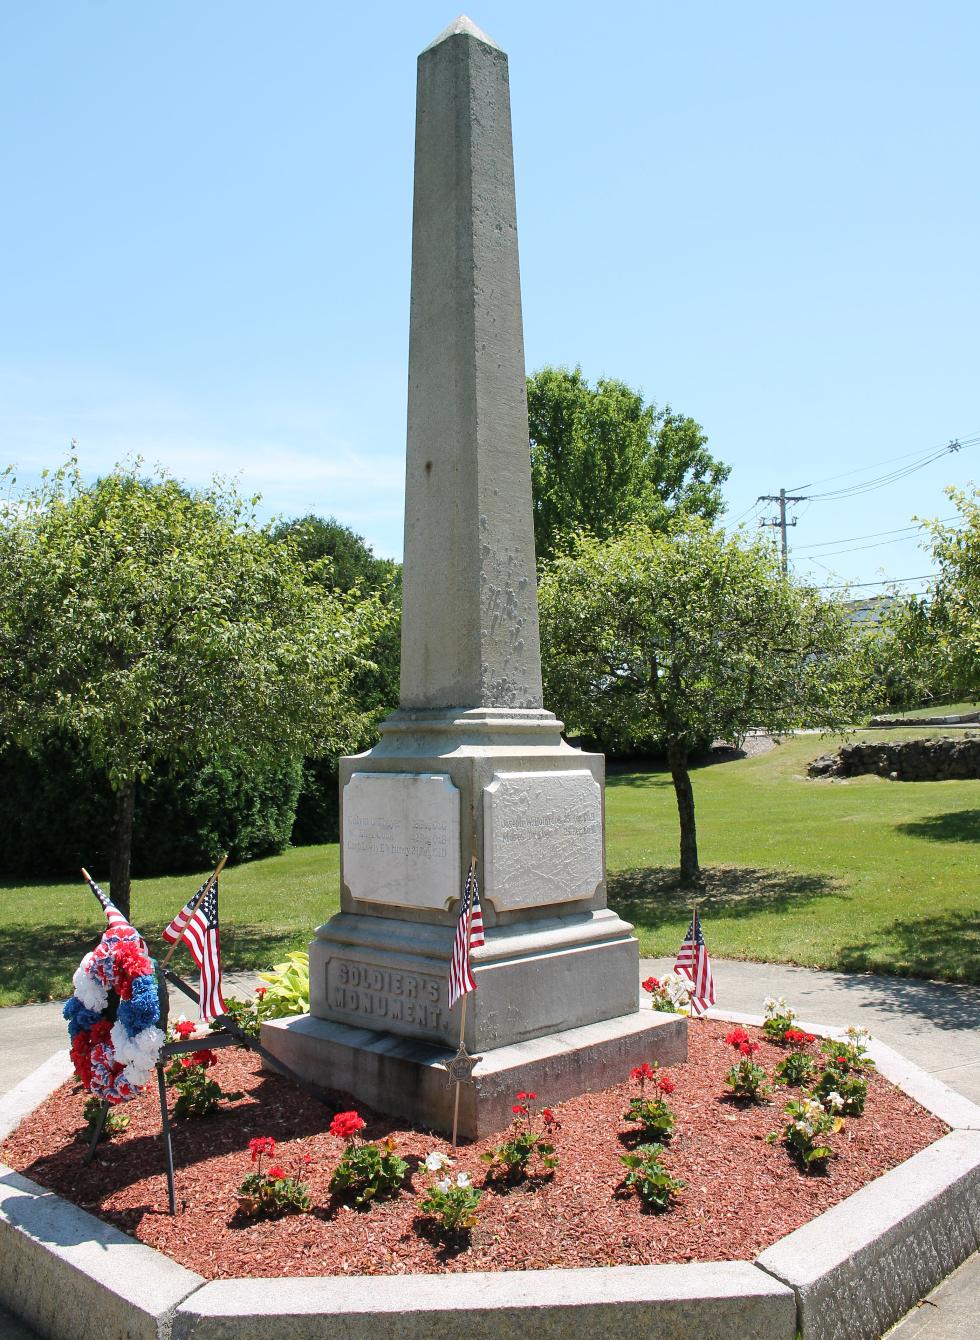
x: 954, y: 602
x: 683, y: 636
x: 156, y: 626
x: 601, y: 460
x: 351, y: 568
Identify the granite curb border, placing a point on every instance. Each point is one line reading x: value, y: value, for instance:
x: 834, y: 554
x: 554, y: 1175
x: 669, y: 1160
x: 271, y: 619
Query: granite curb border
x: 848, y: 1275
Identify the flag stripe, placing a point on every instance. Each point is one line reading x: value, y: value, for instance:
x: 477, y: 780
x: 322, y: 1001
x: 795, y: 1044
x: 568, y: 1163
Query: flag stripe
x: 693, y: 963
x: 200, y: 932
x: 114, y: 917
x: 469, y: 935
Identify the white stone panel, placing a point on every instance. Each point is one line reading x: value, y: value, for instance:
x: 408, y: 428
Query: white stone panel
x: 401, y: 838
x: 542, y: 838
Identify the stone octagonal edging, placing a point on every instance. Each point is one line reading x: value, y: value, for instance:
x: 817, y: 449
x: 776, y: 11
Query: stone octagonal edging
x: 847, y: 1275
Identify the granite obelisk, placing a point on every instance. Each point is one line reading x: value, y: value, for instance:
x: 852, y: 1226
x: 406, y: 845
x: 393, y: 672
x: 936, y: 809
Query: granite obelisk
x: 471, y: 764
x: 470, y: 625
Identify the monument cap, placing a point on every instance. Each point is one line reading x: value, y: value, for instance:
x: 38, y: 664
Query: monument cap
x: 462, y: 26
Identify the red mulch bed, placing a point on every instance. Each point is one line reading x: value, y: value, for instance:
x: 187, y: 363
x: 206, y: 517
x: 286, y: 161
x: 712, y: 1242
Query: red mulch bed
x: 741, y: 1195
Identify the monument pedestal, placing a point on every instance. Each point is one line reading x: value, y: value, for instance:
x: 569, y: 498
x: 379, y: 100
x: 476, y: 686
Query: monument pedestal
x: 408, y: 1079
x: 438, y: 788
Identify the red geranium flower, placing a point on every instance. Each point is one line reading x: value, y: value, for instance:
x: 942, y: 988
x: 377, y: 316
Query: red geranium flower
x: 548, y: 1117
x: 184, y: 1028
x: 260, y: 991
x: 345, y: 1125
x: 526, y: 1097
x: 641, y: 1072
x: 276, y: 1172
x: 651, y: 984
x: 737, y: 1038
x: 665, y: 1084
x: 519, y: 1110
x: 262, y: 1144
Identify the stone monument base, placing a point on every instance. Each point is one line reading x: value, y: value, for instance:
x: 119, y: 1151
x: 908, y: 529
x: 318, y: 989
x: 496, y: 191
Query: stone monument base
x: 404, y: 1078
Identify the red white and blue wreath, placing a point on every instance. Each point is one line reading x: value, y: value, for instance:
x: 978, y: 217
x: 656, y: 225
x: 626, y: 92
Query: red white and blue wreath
x: 114, y: 1059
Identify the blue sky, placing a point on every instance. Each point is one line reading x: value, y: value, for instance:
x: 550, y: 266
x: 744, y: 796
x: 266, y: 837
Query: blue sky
x: 765, y: 215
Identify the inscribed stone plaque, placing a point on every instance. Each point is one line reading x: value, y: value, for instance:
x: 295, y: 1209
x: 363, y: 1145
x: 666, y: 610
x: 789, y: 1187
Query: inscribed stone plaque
x: 542, y: 838
x: 401, y: 838
x: 389, y: 999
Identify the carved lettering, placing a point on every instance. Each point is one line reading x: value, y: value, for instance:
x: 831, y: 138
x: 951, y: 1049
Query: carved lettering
x: 378, y: 995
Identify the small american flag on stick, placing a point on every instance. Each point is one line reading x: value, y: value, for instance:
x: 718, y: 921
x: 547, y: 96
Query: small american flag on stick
x: 114, y: 917
x: 469, y: 935
x: 196, y: 924
x: 693, y: 963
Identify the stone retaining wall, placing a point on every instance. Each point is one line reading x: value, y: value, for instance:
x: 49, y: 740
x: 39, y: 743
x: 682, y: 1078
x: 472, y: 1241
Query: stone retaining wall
x: 928, y: 760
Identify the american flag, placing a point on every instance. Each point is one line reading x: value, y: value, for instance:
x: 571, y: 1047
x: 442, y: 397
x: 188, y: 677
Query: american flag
x: 114, y: 917
x: 469, y: 935
x: 197, y: 926
x: 693, y: 963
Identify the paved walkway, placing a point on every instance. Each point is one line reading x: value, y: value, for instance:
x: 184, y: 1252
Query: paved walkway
x: 933, y: 1024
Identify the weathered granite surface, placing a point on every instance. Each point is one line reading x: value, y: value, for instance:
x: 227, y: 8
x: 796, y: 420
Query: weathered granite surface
x: 73, y: 1276
x: 861, y: 1265
x: 716, y: 1301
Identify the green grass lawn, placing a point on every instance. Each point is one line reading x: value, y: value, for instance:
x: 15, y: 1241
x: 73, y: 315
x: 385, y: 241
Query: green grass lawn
x: 863, y: 874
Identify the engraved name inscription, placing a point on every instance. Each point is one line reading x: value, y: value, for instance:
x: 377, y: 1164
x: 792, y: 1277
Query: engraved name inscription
x: 543, y: 838
x: 400, y: 840
x: 385, y: 996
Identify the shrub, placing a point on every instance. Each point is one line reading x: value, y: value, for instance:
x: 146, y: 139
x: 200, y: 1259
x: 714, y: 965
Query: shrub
x: 746, y: 1079
x: 649, y: 1178
x: 198, y: 1095
x: 452, y: 1202
x: 807, y: 1131
x: 56, y: 814
x: 369, y: 1171
x: 653, y: 1114
x: 668, y: 994
x: 115, y: 1122
x: 272, y: 1192
x: 512, y: 1158
x: 779, y: 1019
x: 799, y: 1067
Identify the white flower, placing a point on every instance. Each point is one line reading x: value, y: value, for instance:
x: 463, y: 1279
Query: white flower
x: 443, y: 1184
x: 462, y: 1179
x: 812, y: 1108
x: 138, y: 1073
x: 769, y: 1004
x: 435, y: 1162
x: 834, y: 1099
x: 91, y: 993
x: 805, y: 1127
x: 676, y: 988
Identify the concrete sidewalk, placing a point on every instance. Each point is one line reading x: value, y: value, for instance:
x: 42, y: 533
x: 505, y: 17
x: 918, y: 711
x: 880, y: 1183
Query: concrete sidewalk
x: 934, y: 1024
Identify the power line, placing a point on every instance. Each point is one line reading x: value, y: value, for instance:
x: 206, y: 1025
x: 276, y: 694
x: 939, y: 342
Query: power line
x: 885, y: 581
x: 871, y: 485
x: 933, y: 453
x: 872, y: 535
x: 856, y: 549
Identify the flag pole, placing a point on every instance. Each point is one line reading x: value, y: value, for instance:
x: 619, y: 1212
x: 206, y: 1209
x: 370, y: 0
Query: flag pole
x: 194, y: 902
x: 462, y: 1013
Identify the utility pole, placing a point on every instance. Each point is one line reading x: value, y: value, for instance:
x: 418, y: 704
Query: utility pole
x: 782, y: 498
